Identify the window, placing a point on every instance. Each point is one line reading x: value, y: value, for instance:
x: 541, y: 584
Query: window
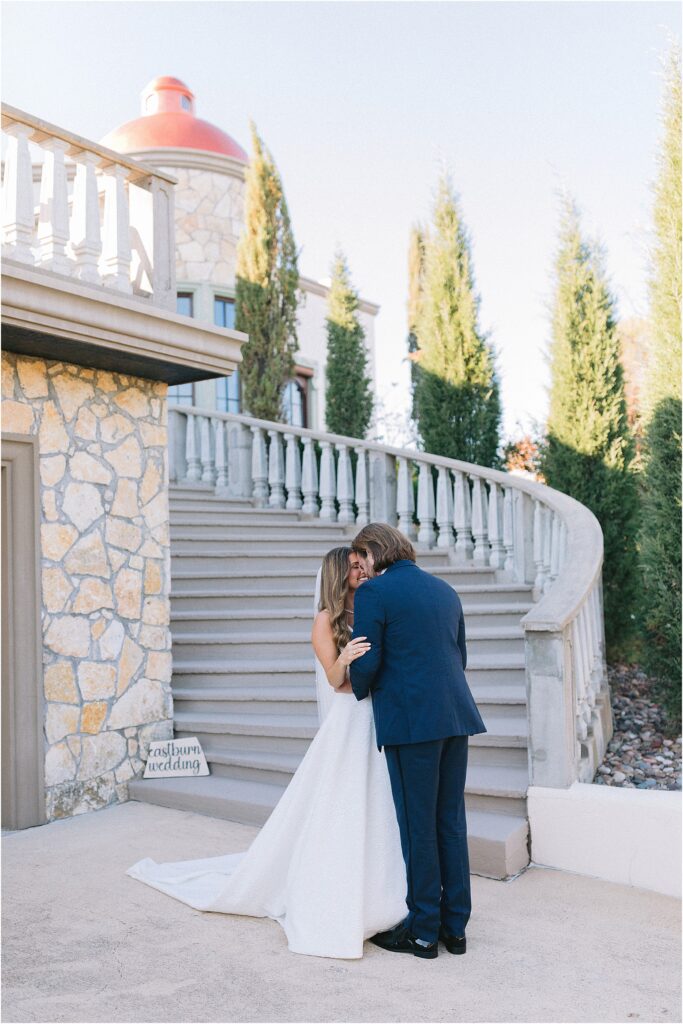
x: 294, y: 404
x: 184, y: 303
x: 181, y: 394
x: 185, y: 103
x: 228, y: 393
x: 223, y: 312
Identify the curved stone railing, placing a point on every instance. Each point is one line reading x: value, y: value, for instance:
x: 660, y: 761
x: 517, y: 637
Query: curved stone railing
x: 114, y: 228
x: 522, y: 529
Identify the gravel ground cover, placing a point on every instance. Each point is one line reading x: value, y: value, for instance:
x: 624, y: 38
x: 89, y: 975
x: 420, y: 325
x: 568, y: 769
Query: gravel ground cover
x: 640, y: 754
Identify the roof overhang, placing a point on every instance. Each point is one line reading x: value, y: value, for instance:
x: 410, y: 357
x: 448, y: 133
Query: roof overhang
x: 52, y: 316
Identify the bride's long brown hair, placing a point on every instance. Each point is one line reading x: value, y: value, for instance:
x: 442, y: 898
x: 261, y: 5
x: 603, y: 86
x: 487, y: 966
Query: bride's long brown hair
x: 334, y: 588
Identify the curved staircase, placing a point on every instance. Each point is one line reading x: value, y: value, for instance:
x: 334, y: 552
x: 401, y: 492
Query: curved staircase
x: 243, y: 580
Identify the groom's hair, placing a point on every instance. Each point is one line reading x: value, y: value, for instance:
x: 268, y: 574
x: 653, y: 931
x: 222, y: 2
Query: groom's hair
x: 386, y: 544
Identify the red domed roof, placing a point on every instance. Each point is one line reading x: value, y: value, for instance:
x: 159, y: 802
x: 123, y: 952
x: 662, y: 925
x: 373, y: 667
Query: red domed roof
x: 168, y: 121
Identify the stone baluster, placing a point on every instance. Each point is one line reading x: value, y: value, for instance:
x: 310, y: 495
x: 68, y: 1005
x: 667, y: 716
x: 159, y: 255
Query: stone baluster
x: 259, y: 467
x: 208, y: 469
x: 382, y: 475
x: 547, y: 541
x: 53, y: 216
x: 579, y: 684
x: 405, y: 499
x: 192, y: 460
x: 220, y: 448
x: 239, y: 442
x: 293, y: 472
x: 276, y: 470
x: 425, y: 505
x: 344, y: 485
x: 18, y: 220
x: 444, y: 509
x: 116, y: 255
x: 539, y: 524
x: 462, y: 517
x: 479, y: 521
x: 327, y: 482
x: 86, y: 239
x: 309, y: 478
x: 509, y: 529
x: 362, y: 489
x: 495, y: 526
x: 555, y: 547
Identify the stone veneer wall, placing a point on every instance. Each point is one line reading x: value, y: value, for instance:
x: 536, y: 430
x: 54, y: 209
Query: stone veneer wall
x: 105, y: 565
x: 209, y: 213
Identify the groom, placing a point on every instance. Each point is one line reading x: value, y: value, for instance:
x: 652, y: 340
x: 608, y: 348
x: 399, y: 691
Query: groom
x: 424, y: 712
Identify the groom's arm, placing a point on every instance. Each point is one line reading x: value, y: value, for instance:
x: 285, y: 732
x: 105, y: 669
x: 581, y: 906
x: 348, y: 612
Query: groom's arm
x: 369, y: 622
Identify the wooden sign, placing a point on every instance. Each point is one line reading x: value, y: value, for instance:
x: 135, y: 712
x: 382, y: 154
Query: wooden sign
x: 173, y: 758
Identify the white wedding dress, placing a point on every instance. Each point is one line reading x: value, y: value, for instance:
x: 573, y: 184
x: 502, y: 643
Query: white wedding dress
x: 327, y: 864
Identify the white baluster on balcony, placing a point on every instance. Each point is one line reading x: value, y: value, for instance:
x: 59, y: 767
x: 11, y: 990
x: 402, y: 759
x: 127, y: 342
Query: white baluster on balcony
x: 208, y: 471
x: 116, y: 257
x: 444, y: 509
x: 462, y: 516
x: 259, y: 467
x: 293, y: 472
x: 562, y: 545
x: 327, y: 482
x: 579, y: 685
x: 425, y: 505
x: 405, y: 499
x: 479, y: 521
x: 86, y: 239
x: 309, y: 478
x: 362, y: 489
x: 509, y: 529
x: 344, y: 485
x: 17, y: 196
x: 495, y: 526
x: 192, y: 461
x: 539, y: 525
x: 276, y: 470
x: 53, y: 215
x: 221, y: 450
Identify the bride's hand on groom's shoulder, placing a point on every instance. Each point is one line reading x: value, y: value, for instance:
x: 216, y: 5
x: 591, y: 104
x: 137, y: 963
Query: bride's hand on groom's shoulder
x: 355, y: 649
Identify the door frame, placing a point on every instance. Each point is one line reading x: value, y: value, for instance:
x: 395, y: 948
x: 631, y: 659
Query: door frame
x: 23, y: 757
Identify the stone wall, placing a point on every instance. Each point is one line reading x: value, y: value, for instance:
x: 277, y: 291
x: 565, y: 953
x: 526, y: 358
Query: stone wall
x: 209, y: 212
x: 105, y: 567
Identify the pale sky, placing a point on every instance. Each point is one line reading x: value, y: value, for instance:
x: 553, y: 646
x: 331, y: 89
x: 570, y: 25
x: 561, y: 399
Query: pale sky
x: 361, y: 104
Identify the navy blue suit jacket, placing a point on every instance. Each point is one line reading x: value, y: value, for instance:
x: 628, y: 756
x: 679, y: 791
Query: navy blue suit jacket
x: 415, y: 667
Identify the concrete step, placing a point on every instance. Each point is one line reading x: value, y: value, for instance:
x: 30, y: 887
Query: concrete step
x: 252, y: 616
x: 242, y: 575
x: 217, y: 524
x: 188, y: 556
x: 492, y: 670
x: 259, y: 542
x: 497, y: 843
x: 295, y: 642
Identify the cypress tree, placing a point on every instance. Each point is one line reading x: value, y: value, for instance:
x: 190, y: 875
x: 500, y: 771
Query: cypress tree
x: 267, y: 287
x: 457, y: 397
x: 589, y: 449
x: 348, y: 395
x: 416, y: 259
x: 660, y: 538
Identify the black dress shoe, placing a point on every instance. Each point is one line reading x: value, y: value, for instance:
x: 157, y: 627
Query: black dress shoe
x: 400, y: 940
x: 452, y: 943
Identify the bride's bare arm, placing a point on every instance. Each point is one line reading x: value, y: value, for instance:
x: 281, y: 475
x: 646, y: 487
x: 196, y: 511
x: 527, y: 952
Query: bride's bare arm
x: 335, y: 664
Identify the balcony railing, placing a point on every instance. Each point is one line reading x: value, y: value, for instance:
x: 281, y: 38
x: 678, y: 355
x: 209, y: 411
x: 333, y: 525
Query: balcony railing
x: 521, y: 529
x: 114, y: 228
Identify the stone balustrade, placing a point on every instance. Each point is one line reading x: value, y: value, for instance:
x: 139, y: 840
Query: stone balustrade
x: 523, y: 530
x: 114, y: 228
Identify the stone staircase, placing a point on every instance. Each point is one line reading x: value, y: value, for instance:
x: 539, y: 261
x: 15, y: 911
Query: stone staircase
x: 243, y: 581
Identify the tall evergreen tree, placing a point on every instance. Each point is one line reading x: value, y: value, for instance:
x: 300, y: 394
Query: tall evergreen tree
x: 348, y: 394
x: 660, y: 539
x: 416, y: 259
x: 589, y: 450
x: 457, y: 398
x: 267, y: 287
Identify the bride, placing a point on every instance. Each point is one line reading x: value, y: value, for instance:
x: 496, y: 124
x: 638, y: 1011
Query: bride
x: 327, y: 864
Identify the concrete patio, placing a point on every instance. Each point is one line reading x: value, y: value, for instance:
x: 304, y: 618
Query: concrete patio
x: 83, y: 942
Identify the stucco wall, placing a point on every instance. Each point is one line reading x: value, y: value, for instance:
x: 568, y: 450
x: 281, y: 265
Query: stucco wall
x: 105, y: 570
